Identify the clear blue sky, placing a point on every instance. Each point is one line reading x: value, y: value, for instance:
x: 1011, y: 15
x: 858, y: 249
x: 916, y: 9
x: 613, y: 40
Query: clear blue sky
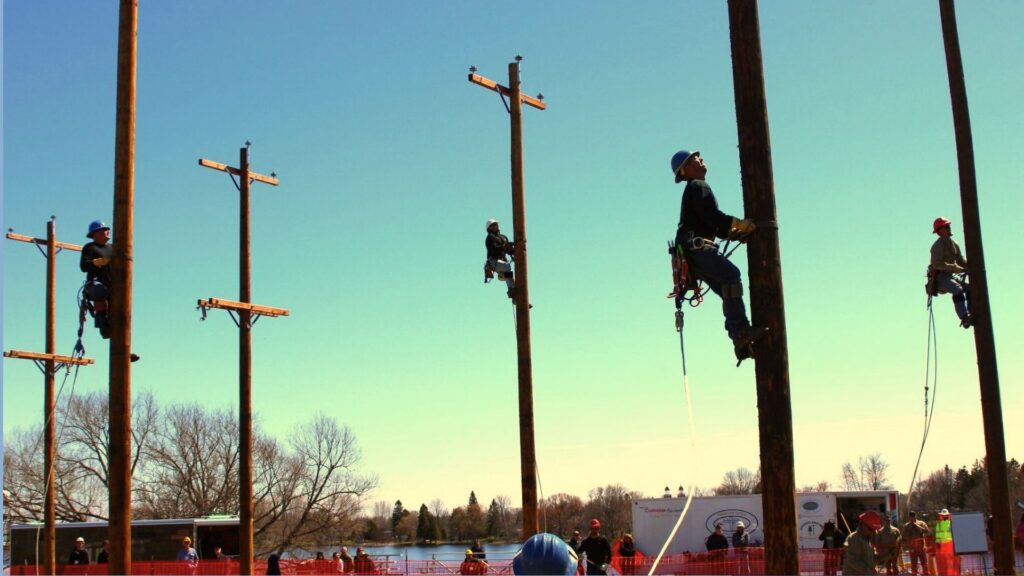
x: 390, y: 162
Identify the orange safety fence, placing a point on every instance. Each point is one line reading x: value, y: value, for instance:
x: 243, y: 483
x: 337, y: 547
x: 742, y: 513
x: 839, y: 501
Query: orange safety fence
x: 813, y: 562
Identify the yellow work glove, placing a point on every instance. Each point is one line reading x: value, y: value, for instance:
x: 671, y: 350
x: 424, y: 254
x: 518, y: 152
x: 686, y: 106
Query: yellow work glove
x: 742, y: 227
x: 100, y: 262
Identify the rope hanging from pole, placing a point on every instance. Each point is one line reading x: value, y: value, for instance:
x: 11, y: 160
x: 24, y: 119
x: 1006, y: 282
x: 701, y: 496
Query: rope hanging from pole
x: 693, y: 438
x: 931, y: 371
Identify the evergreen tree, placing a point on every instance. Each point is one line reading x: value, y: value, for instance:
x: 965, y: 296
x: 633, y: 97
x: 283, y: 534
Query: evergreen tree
x: 397, y: 514
x: 435, y: 528
x: 423, y: 524
x: 472, y: 498
x: 494, y: 520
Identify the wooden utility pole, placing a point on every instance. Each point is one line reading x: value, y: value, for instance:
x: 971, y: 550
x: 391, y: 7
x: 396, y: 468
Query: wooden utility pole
x: 49, y: 363
x: 521, y: 298
x: 981, y: 313
x: 245, y: 314
x: 121, y: 265
x: 764, y: 267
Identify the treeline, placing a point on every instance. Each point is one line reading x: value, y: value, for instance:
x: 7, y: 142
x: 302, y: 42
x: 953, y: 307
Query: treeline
x: 558, y: 514
x: 307, y: 488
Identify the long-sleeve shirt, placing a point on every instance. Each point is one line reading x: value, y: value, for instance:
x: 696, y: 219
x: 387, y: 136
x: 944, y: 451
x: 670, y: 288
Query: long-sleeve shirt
x: 497, y: 246
x: 597, y: 548
x: 887, y: 542
x: 946, y: 256
x: 79, y: 556
x: 717, y: 541
x: 90, y: 252
x: 699, y: 213
x: 859, y: 556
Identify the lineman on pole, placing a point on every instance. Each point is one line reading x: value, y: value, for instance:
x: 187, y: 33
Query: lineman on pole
x: 499, y: 256
x: 700, y: 222
x: 948, y: 270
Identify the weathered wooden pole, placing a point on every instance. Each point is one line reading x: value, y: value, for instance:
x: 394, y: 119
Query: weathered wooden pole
x: 521, y: 297
x: 245, y: 373
x: 527, y: 450
x: 119, y: 476
x: 764, y: 263
x: 50, y: 405
x: 981, y: 313
x: 245, y: 311
x: 49, y: 362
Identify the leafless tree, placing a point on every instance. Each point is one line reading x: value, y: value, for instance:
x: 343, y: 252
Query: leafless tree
x: 870, y: 474
x: 563, y: 512
x: 821, y: 486
x: 739, y: 481
x: 329, y: 491
x: 613, y: 506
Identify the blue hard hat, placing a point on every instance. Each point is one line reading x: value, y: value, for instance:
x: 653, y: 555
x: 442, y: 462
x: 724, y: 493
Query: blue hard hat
x: 96, y: 225
x: 680, y: 158
x: 545, y: 554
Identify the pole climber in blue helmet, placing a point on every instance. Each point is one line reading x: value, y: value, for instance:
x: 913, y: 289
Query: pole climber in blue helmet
x: 95, y: 262
x: 700, y: 223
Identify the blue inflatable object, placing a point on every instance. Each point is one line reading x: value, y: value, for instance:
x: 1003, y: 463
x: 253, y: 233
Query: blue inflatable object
x: 545, y: 554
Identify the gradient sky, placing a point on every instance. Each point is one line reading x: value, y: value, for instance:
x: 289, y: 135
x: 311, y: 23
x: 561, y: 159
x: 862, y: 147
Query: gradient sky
x: 390, y: 162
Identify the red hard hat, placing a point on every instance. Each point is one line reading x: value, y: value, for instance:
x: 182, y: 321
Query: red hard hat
x: 871, y: 519
x: 939, y: 223
x: 595, y: 523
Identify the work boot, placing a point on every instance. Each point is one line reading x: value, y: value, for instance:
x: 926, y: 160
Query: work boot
x: 512, y: 292
x: 967, y: 321
x: 743, y: 343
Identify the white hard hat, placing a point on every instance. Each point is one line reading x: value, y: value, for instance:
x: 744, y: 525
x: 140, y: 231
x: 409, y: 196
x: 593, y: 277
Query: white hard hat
x: 490, y: 223
x: 944, y: 512
x: 740, y: 524
x: 79, y: 539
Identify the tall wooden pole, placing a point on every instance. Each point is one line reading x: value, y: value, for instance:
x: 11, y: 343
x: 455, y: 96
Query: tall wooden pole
x: 49, y: 362
x: 984, y: 338
x: 245, y: 374
x: 49, y: 404
x: 766, y: 303
x: 527, y: 452
x: 120, y: 479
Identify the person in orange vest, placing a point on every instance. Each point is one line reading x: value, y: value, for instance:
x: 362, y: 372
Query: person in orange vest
x: 944, y: 560
x: 472, y: 564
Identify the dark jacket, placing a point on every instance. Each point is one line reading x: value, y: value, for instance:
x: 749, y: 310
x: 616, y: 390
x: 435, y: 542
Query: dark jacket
x: 79, y: 556
x: 597, y: 548
x: 699, y: 214
x: 498, y: 246
x: 831, y: 537
x: 717, y: 542
x: 90, y: 252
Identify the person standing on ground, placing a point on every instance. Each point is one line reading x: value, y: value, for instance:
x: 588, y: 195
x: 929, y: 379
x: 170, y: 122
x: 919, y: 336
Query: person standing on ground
x: 627, y: 550
x: 104, y: 556
x: 79, y: 555
x: 947, y: 261
x: 574, y: 542
x: 740, y: 543
x: 363, y: 564
x: 478, y: 550
x: 858, y: 555
x: 273, y: 565
x: 832, y: 545
x: 346, y: 560
x: 700, y: 222
x: 717, y: 544
x: 597, y: 549
x: 187, y: 553
x: 499, y: 254
x: 914, y: 533
x: 887, y: 544
x: 472, y: 565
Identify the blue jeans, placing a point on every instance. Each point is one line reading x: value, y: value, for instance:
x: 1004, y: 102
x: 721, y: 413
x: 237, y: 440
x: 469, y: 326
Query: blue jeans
x: 947, y: 283
x: 718, y: 272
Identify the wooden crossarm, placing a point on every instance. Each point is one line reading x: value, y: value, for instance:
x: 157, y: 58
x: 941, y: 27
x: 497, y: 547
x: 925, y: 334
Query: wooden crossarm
x: 43, y: 241
x: 57, y: 358
x: 492, y: 85
x: 239, y: 306
x: 235, y: 171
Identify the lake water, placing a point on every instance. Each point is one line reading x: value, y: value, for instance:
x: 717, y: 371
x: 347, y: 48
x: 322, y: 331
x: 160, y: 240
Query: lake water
x: 448, y: 552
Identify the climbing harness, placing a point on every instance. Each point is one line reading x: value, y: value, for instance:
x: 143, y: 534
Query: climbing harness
x: 931, y: 374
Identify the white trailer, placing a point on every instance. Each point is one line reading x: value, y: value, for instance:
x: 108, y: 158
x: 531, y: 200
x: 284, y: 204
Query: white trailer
x: 653, y: 518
